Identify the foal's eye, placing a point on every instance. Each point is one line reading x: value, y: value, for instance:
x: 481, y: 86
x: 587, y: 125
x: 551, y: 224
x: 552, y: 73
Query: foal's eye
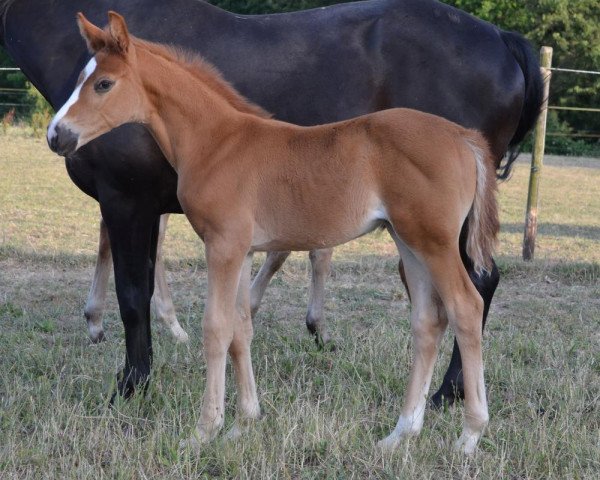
x: 103, y: 86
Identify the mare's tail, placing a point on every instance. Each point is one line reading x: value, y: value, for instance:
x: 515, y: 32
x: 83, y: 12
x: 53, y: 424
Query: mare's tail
x: 482, y: 221
x: 528, y: 61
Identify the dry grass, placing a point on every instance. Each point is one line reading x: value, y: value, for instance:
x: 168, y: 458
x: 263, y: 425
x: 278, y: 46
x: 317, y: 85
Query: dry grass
x: 323, y: 411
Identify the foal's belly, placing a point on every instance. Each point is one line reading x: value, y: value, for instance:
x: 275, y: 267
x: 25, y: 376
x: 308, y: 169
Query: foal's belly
x: 324, y: 229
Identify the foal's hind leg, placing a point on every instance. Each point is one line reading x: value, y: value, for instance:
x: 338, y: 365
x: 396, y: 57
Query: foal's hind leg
x: 321, y: 266
x: 94, y: 306
x: 162, y: 302
x: 427, y: 329
x: 272, y: 264
x: 464, y: 308
x: 452, y: 387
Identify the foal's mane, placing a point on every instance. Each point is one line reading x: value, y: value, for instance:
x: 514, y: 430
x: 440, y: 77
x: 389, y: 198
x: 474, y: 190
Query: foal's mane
x: 204, y: 71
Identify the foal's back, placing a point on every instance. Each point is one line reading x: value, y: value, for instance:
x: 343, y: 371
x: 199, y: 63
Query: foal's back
x: 325, y: 185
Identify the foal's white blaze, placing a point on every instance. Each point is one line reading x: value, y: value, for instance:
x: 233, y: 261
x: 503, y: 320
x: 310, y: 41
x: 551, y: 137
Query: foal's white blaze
x: 87, y: 72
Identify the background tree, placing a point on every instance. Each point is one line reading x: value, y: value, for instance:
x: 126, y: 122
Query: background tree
x: 572, y: 28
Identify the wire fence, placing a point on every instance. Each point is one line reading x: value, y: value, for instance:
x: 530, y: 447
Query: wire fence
x: 18, y: 101
x: 13, y: 101
x: 580, y: 134
x: 539, y: 145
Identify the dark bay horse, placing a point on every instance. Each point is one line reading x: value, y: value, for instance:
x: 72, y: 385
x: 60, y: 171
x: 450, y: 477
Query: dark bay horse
x: 247, y: 183
x: 308, y: 68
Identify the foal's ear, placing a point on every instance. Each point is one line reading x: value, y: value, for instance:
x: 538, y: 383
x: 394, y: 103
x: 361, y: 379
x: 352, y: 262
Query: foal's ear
x: 118, y: 32
x: 94, y: 37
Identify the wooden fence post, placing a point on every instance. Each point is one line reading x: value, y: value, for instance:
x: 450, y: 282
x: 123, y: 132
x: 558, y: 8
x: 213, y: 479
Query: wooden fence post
x: 537, y: 159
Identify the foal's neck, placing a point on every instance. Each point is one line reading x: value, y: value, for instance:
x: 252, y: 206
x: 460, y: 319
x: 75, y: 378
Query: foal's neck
x: 188, y: 118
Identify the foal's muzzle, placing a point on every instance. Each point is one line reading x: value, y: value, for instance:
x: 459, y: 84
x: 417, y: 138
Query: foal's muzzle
x: 61, y: 140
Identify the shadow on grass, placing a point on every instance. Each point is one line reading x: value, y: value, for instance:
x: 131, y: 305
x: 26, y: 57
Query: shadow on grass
x: 550, y: 271
x: 557, y: 229
x: 354, y: 263
x: 59, y: 258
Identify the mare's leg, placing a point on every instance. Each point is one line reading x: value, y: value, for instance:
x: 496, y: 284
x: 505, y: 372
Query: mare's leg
x: 452, y: 387
x: 321, y: 267
x: 428, y: 323
x: 224, y: 263
x: 273, y: 262
x: 133, y: 237
x: 161, y: 300
x: 94, y: 306
x: 248, y: 408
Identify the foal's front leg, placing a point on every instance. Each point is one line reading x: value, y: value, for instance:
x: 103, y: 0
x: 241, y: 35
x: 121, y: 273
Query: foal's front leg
x: 224, y: 262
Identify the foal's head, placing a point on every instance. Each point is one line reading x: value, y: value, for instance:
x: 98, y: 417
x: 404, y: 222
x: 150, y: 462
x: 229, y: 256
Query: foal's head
x: 108, y: 93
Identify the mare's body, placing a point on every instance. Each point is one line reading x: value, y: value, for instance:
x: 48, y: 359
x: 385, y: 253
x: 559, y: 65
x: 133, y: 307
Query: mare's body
x: 308, y: 68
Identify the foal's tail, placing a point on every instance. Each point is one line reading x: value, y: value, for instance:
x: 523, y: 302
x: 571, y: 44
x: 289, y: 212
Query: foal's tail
x: 483, y: 224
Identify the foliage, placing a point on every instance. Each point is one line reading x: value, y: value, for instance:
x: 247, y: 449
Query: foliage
x: 13, y: 80
x: 571, y: 28
x: 32, y: 108
x: 559, y: 140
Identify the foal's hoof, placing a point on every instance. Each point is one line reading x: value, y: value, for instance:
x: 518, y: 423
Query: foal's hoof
x: 322, y: 337
x: 196, y: 441
x: 180, y: 334
x: 324, y: 342
x: 235, y: 432
x: 392, y: 442
x: 467, y: 443
x: 96, y: 334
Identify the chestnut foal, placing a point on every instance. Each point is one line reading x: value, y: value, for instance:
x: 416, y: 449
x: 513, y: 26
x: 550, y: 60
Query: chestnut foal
x: 249, y: 183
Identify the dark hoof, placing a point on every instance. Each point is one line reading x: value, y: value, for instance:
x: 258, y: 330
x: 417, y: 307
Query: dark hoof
x: 128, y: 384
x: 322, y: 339
x: 446, y: 396
x: 324, y: 343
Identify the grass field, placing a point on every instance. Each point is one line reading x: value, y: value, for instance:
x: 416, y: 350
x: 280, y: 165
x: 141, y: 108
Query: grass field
x: 322, y: 411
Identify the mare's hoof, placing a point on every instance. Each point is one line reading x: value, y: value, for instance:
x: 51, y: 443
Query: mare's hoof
x: 446, y: 397
x: 130, y: 383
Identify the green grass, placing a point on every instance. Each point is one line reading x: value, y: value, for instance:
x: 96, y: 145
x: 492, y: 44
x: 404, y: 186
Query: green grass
x: 322, y: 411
